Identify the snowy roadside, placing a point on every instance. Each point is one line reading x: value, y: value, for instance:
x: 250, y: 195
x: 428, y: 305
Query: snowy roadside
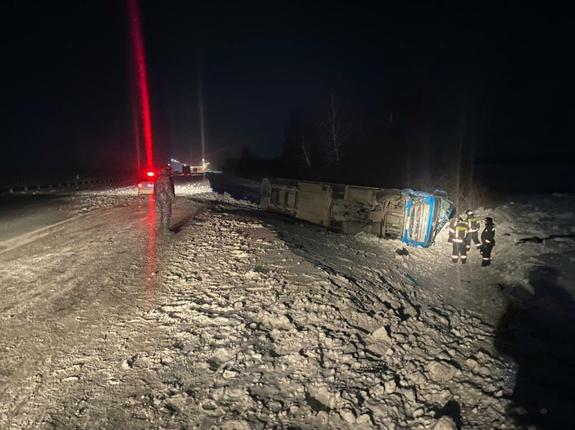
x: 249, y: 321
x: 243, y: 333
x: 124, y: 196
x: 279, y: 339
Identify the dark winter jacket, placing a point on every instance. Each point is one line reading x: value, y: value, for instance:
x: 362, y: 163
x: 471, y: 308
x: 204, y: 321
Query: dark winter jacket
x: 488, y: 235
x: 164, y: 189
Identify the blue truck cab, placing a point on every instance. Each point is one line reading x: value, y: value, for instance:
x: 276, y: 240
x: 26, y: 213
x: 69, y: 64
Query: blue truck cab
x: 425, y: 215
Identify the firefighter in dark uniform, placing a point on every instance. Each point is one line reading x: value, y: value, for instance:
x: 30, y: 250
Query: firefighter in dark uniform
x: 472, y: 229
x: 165, y: 194
x: 460, y: 242
x: 487, y: 241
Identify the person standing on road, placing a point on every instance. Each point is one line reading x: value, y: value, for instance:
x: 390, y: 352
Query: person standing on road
x: 472, y: 229
x: 460, y: 242
x: 487, y: 241
x: 165, y: 194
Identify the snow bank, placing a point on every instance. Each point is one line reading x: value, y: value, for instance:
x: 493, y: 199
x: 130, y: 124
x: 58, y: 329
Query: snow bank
x: 224, y: 198
x: 186, y: 189
x: 88, y: 200
x: 193, y: 189
x: 253, y: 321
x: 292, y: 326
x: 530, y: 232
x: 114, y: 191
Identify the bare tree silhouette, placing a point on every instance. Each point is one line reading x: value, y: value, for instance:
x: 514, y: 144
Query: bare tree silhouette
x: 337, y: 130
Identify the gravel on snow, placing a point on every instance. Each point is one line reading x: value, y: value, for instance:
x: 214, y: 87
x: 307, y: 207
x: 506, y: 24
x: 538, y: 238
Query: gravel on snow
x: 244, y: 320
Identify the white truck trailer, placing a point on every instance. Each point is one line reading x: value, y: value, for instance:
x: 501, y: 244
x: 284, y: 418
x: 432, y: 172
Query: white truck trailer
x: 414, y: 217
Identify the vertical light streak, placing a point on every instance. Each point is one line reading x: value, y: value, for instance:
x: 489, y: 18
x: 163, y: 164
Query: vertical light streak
x: 141, y: 78
x: 201, y: 110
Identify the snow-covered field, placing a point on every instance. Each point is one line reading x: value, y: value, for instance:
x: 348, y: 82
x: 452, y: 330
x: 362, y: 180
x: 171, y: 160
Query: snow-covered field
x: 245, y: 320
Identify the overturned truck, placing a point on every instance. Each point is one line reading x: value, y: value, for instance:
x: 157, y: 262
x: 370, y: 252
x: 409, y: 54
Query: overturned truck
x: 414, y: 217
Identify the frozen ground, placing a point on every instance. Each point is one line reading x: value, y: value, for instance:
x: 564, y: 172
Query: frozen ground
x: 244, y: 320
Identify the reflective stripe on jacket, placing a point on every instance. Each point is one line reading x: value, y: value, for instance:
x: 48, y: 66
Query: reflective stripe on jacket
x: 488, y: 235
x: 460, y: 231
x: 473, y: 224
x: 452, y: 223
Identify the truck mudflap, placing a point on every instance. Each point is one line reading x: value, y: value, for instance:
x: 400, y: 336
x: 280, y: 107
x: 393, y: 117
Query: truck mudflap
x: 425, y: 216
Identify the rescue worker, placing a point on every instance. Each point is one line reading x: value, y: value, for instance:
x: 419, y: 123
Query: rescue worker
x: 472, y: 229
x: 452, y: 223
x: 460, y: 242
x: 487, y: 241
x: 165, y: 194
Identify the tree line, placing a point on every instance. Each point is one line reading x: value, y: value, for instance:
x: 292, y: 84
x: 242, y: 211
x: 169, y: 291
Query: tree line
x: 415, y: 139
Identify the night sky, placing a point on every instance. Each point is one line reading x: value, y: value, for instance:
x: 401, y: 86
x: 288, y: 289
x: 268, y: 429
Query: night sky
x: 69, y: 76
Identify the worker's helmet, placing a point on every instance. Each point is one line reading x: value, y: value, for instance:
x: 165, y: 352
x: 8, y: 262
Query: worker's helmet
x: 488, y: 220
x: 469, y: 212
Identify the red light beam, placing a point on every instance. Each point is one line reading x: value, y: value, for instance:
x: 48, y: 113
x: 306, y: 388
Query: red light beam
x: 141, y: 77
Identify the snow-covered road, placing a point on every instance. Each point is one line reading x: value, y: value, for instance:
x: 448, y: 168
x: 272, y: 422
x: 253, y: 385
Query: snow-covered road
x: 243, y: 320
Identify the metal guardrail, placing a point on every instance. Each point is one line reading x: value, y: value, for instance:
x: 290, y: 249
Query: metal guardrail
x: 57, y: 185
